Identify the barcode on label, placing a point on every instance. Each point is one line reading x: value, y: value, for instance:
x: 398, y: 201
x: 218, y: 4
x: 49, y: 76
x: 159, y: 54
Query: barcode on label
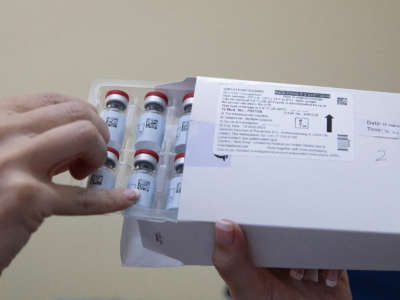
x: 143, y: 185
x: 152, y: 123
x: 178, y: 188
x: 185, y: 126
x: 96, y: 179
x: 341, y: 101
x: 112, y: 122
x: 343, y: 142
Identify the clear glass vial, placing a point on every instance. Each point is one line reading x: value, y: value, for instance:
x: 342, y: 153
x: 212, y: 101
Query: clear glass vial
x: 183, y: 124
x: 104, y: 177
x: 115, y: 116
x: 175, y: 184
x: 143, y: 178
x: 150, y: 128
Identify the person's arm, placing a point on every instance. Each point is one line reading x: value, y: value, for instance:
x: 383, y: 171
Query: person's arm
x: 247, y: 282
x: 41, y: 136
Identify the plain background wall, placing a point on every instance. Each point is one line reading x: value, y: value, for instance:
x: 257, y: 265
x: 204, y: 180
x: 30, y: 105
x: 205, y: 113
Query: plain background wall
x: 63, y: 45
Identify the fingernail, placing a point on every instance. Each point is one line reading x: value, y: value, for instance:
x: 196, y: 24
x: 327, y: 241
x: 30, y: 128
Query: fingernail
x: 297, y: 274
x: 331, y: 279
x: 132, y: 195
x: 224, y: 232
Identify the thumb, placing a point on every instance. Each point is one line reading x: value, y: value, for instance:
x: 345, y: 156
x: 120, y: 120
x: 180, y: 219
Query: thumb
x: 72, y: 200
x: 232, y: 260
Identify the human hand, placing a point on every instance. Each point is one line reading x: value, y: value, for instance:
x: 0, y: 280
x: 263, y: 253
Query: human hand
x: 247, y: 282
x: 41, y: 136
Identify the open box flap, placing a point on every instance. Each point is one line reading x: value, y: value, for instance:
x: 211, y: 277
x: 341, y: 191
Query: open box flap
x: 133, y: 254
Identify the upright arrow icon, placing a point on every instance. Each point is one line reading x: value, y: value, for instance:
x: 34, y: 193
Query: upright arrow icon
x: 329, y: 119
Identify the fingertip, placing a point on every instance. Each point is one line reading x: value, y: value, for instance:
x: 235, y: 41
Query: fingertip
x: 131, y: 195
x: 224, y: 232
x: 80, y: 171
x: 332, y: 277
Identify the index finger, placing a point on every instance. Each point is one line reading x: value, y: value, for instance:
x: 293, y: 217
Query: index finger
x: 72, y: 200
x: 20, y: 104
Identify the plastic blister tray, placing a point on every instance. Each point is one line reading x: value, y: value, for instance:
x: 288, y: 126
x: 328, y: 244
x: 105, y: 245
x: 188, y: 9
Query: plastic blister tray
x: 136, y: 91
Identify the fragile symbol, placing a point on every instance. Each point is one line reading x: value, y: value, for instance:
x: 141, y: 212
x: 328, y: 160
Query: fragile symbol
x: 329, y: 119
x: 301, y: 123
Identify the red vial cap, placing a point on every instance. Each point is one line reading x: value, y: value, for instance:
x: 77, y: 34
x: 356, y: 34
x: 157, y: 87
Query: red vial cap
x: 146, y: 151
x: 113, y: 151
x: 159, y: 94
x: 179, y: 155
x: 190, y: 95
x: 119, y: 92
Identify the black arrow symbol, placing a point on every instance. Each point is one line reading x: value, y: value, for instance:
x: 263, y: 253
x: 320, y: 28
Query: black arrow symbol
x: 329, y: 119
x: 223, y: 157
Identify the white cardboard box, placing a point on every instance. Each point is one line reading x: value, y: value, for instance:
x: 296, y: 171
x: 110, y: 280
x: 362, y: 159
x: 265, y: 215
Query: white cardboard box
x: 311, y: 174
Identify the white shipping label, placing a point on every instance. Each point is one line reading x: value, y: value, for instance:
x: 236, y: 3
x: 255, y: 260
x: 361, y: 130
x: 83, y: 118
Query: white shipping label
x: 182, y: 133
x: 145, y: 183
x: 174, y: 192
x: 297, y: 122
x: 116, y: 126
x: 150, y: 131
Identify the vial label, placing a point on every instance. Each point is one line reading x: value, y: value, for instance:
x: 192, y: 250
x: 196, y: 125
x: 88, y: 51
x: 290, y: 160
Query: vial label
x: 116, y: 126
x: 150, y: 131
x: 174, y: 193
x: 103, y: 179
x: 182, y: 133
x: 145, y: 183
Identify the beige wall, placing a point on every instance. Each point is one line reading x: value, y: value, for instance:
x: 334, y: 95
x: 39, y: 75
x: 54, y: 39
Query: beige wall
x: 63, y: 45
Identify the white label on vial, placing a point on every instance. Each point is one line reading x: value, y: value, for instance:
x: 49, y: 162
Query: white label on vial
x: 182, y: 133
x: 145, y: 183
x: 116, y: 126
x: 296, y: 122
x: 103, y: 179
x: 150, y: 130
x: 174, y: 192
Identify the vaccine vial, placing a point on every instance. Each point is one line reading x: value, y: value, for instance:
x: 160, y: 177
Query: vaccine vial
x: 175, y: 185
x: 104, y: 177
x: 114, y: 116
x: 183, y: 124
x: 151, y: 124
x: 143, y: 177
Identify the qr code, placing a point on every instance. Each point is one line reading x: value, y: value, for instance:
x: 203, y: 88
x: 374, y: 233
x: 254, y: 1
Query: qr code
x: 341, y: 101
x: 185, y: 126
x: 143, y: 185
x: 112, y: 122
x: 152, y: 123
x: 96, y: 179
x: 178, y: 188
x: 343, y: 142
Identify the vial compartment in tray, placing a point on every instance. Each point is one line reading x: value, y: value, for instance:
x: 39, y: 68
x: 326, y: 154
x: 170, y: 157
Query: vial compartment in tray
x: 165, y: 169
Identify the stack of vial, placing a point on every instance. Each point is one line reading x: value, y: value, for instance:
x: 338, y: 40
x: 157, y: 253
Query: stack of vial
x: 149, y: 136
x: 175, y: 185
x: 114, y: 115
